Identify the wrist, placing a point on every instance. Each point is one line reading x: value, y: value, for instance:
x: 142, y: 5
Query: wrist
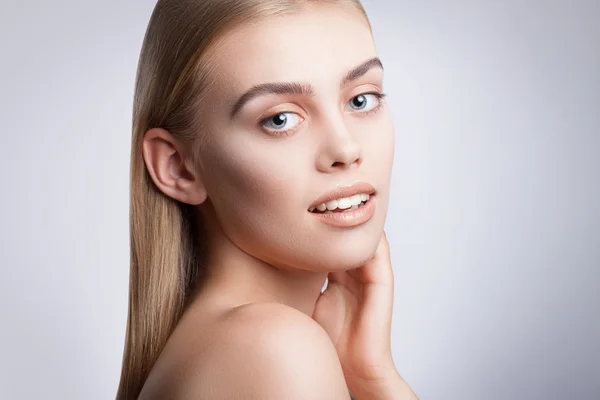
x: 388, y: 386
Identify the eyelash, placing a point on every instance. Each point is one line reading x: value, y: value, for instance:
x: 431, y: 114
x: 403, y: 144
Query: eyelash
x: 379, y: 96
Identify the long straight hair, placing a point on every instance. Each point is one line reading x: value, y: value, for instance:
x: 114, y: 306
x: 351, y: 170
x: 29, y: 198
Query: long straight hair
x: 173, y: 73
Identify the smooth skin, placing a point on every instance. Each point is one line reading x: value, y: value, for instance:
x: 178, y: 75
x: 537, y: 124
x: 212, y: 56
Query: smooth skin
x: 258, y: 327
x: 356, y: 311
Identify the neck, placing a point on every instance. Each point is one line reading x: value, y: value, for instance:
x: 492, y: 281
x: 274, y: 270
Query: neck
x: 235, y: 277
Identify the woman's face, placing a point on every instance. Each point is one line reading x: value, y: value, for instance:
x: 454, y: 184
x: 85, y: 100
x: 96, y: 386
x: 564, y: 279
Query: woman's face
x: 266, y: 164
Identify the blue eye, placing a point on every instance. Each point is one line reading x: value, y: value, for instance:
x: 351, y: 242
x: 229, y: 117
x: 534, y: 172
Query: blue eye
x: 284, y: 122
x: 281, y: 122
x: 361, y: 103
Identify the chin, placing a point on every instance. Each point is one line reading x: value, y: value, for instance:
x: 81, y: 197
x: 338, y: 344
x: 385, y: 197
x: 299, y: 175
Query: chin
x: 337, y: 249
x: 344, y: 253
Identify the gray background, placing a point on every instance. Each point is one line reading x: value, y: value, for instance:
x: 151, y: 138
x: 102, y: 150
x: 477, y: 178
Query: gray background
x: 494, y: 220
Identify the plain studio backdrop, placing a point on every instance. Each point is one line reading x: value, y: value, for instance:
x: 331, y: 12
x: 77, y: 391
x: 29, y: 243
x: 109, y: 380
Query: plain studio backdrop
x: 494, y: 219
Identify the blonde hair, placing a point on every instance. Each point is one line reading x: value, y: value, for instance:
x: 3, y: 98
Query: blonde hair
x: 173, y: 73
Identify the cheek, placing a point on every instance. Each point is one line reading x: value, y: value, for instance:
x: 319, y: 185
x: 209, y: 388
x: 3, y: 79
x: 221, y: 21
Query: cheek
x: 259, y: 192
x: 378, y: 150
x: 253, y: 188
x: 387, y: 140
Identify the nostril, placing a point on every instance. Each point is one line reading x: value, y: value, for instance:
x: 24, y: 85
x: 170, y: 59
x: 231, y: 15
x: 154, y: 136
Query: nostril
x: 346, y: 164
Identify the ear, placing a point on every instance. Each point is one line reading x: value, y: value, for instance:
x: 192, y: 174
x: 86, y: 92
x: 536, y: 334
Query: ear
x: 172, y: 172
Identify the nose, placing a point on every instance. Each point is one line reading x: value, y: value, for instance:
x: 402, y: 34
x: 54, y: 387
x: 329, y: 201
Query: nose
x: 339, y: 150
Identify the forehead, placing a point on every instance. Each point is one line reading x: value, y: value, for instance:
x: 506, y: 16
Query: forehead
x: 317, y: 45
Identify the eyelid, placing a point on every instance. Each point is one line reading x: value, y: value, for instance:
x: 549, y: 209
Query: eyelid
x: 262, y: 120
x: 280, y: 109
x: 376, y: 92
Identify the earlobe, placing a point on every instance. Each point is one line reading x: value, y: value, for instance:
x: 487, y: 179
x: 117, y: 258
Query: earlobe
x: 167, y: 167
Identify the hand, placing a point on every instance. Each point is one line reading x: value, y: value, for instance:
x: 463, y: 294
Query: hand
x: 356, y: 312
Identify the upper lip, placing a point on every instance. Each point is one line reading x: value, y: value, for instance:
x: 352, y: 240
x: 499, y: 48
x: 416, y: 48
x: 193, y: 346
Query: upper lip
x: 344, y: 191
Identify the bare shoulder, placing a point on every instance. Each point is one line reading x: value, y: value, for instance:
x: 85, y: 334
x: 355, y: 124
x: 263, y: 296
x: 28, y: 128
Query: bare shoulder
x: 265, y: 351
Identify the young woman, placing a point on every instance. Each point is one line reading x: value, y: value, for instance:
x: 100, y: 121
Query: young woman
x: 260, y: 168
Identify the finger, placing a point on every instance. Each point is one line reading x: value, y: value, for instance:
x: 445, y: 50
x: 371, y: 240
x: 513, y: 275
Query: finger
x: 379, y: 288
x: 378, y: 269
x: 375, y: 271
x: 343, y: 279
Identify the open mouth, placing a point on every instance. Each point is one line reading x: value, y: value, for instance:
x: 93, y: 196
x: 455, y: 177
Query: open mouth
x: 346, y: 204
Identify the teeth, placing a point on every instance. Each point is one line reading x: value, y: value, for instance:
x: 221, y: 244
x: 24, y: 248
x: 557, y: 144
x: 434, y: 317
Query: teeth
x: 351, y: 202
x: 332, y: 205
x: 345, y: 203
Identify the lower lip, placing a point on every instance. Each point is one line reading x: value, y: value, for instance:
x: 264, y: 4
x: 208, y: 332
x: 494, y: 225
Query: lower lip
x: 348, y: 219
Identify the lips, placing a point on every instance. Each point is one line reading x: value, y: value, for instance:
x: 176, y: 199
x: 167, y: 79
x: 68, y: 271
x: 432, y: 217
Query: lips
x: 351, y: 218
x: 344, y: 191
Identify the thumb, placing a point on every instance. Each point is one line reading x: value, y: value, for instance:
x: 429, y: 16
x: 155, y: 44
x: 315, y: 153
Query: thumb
x: 378, y: 281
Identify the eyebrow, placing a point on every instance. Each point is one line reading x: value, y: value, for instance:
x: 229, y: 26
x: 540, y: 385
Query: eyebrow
x: 299, y: 87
